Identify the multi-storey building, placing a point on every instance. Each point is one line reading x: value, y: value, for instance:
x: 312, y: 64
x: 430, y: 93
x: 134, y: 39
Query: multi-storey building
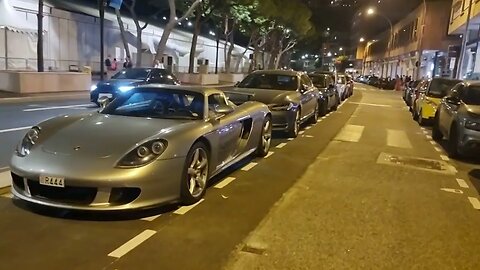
x: 416, y: 46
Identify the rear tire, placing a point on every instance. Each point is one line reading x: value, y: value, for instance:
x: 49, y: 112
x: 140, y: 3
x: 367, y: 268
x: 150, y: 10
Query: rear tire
x: 436, y: 133
x: 324, y: 108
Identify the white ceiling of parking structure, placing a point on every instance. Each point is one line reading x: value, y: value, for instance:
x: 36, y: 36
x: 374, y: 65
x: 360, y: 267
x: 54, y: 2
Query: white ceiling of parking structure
x: 10, y: 20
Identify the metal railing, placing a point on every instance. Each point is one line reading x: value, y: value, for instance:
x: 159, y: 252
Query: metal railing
x: 30, y: 64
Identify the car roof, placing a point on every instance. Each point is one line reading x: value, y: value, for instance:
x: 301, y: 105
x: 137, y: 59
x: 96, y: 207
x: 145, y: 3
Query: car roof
x: 279, y: 72
x: 471, y: 83
x: 205, y: 90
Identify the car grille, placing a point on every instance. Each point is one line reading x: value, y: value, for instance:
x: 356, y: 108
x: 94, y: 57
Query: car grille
x: 106, y: 89
x: 68, y: 194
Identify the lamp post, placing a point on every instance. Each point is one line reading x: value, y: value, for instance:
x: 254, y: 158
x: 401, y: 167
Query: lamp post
x: 372, y: 11
x: 101, y: 8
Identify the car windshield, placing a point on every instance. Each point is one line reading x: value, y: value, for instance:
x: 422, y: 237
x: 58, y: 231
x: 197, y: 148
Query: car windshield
x: 270, y: 82
x: 440, y: 87
x: 319, y: 81
x: 472, y: 96
x: 158, y: 103
x: 132, y: 74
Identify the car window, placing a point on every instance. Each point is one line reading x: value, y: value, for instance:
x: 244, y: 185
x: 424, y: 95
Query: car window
x: 439, y: 88
x: 216, y: 100
x: 158, y: 103
x: 306, y: 80
x: 472, y: 95
x: 162, y: 76
x: 270, y: 82
x: 320, y: 81
x: 133, y: 74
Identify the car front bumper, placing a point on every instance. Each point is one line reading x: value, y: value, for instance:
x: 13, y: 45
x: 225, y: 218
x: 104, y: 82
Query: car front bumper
x: 282, y: 120
x: 97, y: 189
x: 469, y: 143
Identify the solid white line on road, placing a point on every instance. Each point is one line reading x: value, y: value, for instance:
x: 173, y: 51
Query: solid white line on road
x: 14, y: 129
x: 184, y: 209
x: 475, y: 202
x: 152, y: 218
x: 462, y: 183
x: 398, y: 138
x: 224, y: 182
x: 132, y: 243
x: 443, y: 157
x: 437, y: 149
x: 350, y: 133
x: 5, y: 179
x: 281, y: 145
x: 249, y: 166
x: 371, y: 104
x: 269, y: 154
x: 56, y: 107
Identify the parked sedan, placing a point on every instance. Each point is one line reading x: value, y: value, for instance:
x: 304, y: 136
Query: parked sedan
x: 329, y: 98
x: 458, y: 119
x: 342, y: 87
x: 430, y: 97
x: 153, y: 145
x: 290, y: 95
x: 409, y: 89
x: 127, y: 79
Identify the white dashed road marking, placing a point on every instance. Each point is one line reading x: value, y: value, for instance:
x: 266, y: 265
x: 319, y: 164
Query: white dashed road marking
x: 14, y: 129
x: 184, y: 209
x: 350, y: 133
x: 437, y: 149
x: 443, y: 157
x: 301, y: 132
x: 57, y: 107
x: 224, y: 182
x: 290, y: 139
x: 452, y: 190
x: 429, y: 137
x: 281, y: 145
x: 249, y: 166
x: 475, y: 202
x: 133, y: 243
x: 152, y: 218
x: 462, y: 183
x: 433, y: 142
x: 309, y: 127
x: 269, y: 154
x: 398, y: 138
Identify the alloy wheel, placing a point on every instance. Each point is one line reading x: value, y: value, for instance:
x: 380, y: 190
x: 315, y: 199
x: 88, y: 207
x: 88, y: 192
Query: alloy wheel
x: 197, y: 172
x: 266, y: 135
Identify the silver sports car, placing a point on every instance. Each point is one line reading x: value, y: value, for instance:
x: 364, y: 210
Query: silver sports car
x: 153, y: 145
x: 290, y: 95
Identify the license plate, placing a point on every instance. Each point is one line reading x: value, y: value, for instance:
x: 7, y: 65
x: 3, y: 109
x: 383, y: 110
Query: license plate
x: 52, y: 181
x: 108, y: 95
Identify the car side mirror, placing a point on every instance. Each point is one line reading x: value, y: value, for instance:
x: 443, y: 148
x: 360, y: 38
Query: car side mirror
x: 236, y: 84
x: 220, y: 111
x: 103, y: 102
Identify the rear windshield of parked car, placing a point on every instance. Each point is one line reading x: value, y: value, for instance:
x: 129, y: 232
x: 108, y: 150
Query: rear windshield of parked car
x: 440, y: 87
x: 132, y: 74
x: 270, y: 82
x: 319, y: 81
x: 472, y: 96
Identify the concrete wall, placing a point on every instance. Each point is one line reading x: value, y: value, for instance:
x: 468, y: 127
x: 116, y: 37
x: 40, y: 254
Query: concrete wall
x: 459, y: 13
x: 43, y: 82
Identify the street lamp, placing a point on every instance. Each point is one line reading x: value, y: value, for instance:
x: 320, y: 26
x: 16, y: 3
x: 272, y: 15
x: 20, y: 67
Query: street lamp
x: 371, y: 11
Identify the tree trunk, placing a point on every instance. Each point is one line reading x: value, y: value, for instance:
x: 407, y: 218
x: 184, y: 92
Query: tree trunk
x: 40, y: 66
x: 228, y: 61
x: 162, y: 45
x: 122, y: 33
x: 196, y: 32
x: 278, y: 59
x: 239, y: 61
x: 139, y: 47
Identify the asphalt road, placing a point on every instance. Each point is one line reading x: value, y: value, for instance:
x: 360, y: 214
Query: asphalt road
x: 348, y: 193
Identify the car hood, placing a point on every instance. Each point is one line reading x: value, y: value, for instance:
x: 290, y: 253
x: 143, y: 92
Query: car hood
x: 120, y: 82
x: 265, y: 96
x: 102, y: 136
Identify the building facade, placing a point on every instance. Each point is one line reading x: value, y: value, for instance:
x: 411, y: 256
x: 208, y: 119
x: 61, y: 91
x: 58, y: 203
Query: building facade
x: 470, y: 63
x: 418, y: 46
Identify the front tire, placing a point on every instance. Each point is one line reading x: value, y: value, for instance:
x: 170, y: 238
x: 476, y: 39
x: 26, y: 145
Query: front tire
x: 314, y: 118
x: 421, y: 121
x: 295, y: 127
x: 265, y: 138
x: 324, y: 108
x: 453, y: 143
x: 195, y: 174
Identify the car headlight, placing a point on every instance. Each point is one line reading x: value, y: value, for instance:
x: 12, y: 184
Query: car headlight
x: 125, y: 88
x: 30, y: 139
x: 282, y: 107
x: 143, y: 154
x: 93, y: 88
x: 472, y: 125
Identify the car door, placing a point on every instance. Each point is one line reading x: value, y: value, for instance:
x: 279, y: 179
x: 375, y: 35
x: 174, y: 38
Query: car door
x: 448, y: 108
x: 228, y: 128
x: 308, y: 96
